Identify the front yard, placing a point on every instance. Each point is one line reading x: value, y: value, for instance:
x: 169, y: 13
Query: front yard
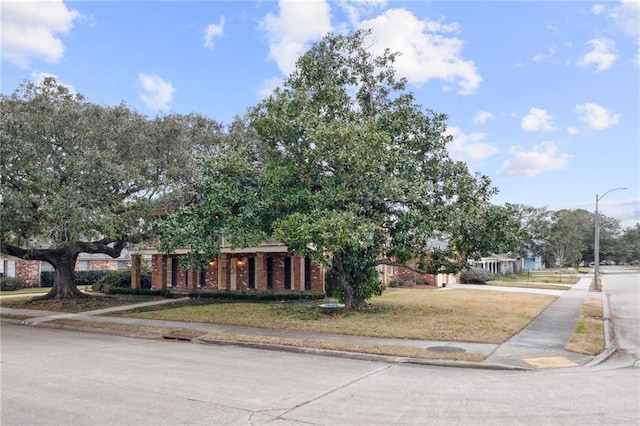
x: 455, y: 315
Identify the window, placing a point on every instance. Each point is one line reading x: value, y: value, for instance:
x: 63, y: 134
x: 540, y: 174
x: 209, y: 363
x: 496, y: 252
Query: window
x: 307, y: 273
x: 252, y: 272
x: 123, y: 264
x: 269, y: 272
x: 83, y: 265
x: 287, y: 273
x: 174, y: 271
x: 203, y: 278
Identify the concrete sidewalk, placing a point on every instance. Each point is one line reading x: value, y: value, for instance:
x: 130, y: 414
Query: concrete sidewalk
x: 539, y: 345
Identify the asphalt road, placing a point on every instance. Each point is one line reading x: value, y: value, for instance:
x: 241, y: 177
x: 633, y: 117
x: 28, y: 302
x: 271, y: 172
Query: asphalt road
x: 622, y: 288
x: 59, y: 377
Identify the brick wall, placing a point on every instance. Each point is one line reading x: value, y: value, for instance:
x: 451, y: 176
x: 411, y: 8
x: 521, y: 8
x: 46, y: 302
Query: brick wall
x: 29, y: 270
x: 103, y: 265
x: 219, y: 273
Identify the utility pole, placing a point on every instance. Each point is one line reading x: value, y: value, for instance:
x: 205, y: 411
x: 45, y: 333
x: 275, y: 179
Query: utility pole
x: 596, y: 248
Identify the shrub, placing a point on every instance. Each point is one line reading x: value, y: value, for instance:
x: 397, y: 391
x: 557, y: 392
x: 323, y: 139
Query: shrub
x: 119, y: 279
x: 89, y: 277
x: 46, y: 279
x: 476, y: 276
x: 140, y: 291
x: 11, y: 283
x: 258, y: 297
x: 401, y: 283
x: 82, y: 277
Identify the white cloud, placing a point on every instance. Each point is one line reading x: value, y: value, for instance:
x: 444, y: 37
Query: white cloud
x: 291, y: 32
x: 482, y: 117
x: 538, y: 120
x: 157, y: 94
x: 602, y: 54
x: 596, y: 116
x: 30, y: 29
x: 540, y: 159
x: 572, y: 130
x: 549, y: 53
x: 428, y: 50
x: 465, y: 147
x: 355, y: 8
x: 597, y: 9
x: 627, y: 17
x: 268, y: 86
x: 212, y: 31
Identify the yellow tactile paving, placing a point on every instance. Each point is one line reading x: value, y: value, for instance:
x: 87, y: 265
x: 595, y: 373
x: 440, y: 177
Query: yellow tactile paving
x: 550, y: 362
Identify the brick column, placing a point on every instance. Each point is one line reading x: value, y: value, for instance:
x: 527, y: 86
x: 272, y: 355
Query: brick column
x: 192, y: 280
x: 135, y: 271
x: 159, y: 271
x: 261, y: 272
x: 223, y: 272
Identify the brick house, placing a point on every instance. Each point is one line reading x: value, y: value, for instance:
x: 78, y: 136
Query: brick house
x: 30, y: 270
x: 268, y: 267
x: 391, y: 273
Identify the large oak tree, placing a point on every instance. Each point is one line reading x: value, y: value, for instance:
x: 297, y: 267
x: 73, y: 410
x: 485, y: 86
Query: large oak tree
x: 351, y: 171
x: 77, y: 177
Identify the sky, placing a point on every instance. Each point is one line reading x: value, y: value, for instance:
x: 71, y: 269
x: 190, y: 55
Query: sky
x: 542, y: 97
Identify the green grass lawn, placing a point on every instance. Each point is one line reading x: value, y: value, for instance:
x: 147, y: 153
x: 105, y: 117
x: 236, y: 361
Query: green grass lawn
x: 456, y: 315
x: 540, y: 278
x: 25, y: 291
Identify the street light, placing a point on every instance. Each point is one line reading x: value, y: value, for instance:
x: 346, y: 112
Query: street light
x: 596, y: 248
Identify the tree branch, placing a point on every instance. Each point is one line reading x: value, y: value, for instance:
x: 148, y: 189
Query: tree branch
x: 403, y: 265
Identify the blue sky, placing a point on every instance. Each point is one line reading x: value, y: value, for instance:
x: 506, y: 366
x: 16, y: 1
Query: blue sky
x: 543, y: 97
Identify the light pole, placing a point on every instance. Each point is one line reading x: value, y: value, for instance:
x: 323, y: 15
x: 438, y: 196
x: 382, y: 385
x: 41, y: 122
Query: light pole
x: 596, y: 248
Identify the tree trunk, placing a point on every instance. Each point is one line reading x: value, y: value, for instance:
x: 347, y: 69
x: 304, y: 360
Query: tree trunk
x: 344, y: 281
x: 64, y: 283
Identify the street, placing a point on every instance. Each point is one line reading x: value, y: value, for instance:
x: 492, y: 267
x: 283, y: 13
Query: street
x: 622, y: 288
x: 53, y: 377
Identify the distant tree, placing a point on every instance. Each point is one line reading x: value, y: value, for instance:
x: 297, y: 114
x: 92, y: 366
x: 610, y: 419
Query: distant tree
x: 536, y: 225
x: 82, y: 178
x: 571, y: 234
x: 350, y: 171
x: 628, y: 245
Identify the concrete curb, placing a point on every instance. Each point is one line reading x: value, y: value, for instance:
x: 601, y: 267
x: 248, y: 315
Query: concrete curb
x: 360, y: 356
x: 282, y: 348
x: 610, y: 346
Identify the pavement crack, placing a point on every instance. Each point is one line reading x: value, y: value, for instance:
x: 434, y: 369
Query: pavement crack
x: 329, y: 392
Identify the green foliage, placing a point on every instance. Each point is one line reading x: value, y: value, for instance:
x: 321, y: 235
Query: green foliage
x: 349, y: 169
x: 258, y: 297
x: 46, y: 278
x: 140, y: 292
x: 77, y: 177
x: 11, y: 283
x: 82, y: 277
x: 405, y: 283
x: 119, y: 279
x: 476, y: 276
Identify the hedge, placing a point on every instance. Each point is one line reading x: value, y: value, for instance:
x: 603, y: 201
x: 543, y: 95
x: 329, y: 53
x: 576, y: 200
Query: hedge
x: 141, y: 292
x: 258, y: 297
x: 119, y: 279
x: 476, y: 276
x: 11, y: 283
x: 82, y: 277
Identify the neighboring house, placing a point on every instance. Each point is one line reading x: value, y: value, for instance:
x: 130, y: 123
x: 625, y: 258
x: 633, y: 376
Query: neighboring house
x: 391, y: 273
x: 531, y: 263
x: 268, y: 267
x: 499, y: 264
x: 30, y: 270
